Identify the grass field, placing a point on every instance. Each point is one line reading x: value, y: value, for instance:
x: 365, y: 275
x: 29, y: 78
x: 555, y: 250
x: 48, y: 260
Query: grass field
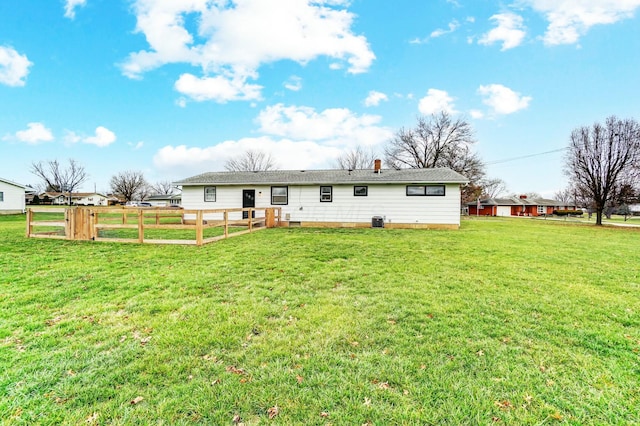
x: 505, y: 321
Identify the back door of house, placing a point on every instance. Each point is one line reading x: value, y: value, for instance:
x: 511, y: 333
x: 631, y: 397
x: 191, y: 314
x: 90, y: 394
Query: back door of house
x: 248, y: 201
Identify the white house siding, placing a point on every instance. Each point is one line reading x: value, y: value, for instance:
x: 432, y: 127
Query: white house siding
x: 12, y: 198
x: 387, y: 200
x: 91, y: 200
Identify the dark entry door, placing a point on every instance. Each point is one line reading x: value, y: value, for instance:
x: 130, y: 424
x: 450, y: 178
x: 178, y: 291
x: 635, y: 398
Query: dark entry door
x: 248, y: 201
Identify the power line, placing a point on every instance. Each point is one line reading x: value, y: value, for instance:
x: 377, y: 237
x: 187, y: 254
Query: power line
x: 507, y: 160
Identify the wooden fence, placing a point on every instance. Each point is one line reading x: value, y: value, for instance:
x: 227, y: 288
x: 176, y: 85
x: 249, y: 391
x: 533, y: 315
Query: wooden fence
x: 156, y: 225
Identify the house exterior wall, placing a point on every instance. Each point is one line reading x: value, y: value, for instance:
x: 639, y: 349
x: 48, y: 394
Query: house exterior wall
x: 387, y: 200
x: 91, y: 200
x: 13, y: 199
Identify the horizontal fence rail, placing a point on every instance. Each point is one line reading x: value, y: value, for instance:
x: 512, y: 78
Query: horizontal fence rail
x: 155, y: 225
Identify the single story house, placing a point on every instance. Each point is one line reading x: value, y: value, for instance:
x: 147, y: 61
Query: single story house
x: 416, y: 198
x: 165, y: 200
x: 77, y: 198
x: 12, y: 197
x: 89, y: 199
x: 515, y: 206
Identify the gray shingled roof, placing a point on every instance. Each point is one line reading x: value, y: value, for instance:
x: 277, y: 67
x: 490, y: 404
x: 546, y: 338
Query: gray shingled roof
x: 315, y: 177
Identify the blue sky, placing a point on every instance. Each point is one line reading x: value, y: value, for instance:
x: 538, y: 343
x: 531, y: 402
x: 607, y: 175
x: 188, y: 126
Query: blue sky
x: 174, y: 88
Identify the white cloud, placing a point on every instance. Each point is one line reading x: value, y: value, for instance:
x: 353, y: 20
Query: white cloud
x: 219, y: 88
x: 374, y: 98
x: 14, y: 67
x: 503, y: 100
x: 136, y: 146
x: 333, y: 126
x: 70, y: 7
x: 476, y: 114
x: 436, y: 101
x: 103, y: 137
x: 34, y: 134
x: 296, y: 137
x: 509, y: 31
x: 294, y: 83
x: 453, y: 25
x: 239, y: 36
x: 288, y: 154
x: 569, y: 19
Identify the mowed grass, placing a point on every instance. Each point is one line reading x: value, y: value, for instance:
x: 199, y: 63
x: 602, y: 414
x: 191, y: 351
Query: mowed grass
x: 504, y: 321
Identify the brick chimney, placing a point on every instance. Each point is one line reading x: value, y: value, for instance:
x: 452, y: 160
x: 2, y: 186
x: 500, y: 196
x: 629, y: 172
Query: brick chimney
x: 523, y: 197
x: 377, y: 165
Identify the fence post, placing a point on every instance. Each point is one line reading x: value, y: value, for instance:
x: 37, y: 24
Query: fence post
x: 29, y: 220
x: 199, y: 227
x: 70, y: 224
x: 226, y: 224
x: 140, y: 226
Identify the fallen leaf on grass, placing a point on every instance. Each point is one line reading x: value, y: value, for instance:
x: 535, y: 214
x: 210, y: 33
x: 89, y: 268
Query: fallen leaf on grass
x: 233, y: 369
x: 136, y: 400
x: 367, y: 402
x: 480, y: 353
x: 273, y: 412
x: 71, y: 373
x: 237, y: 419
x: 503, y: 405
x: 145, y: 340
x: 123, y: 338
x: 53, y: 321
x: 556, y: 416
x: 300, y: 379
x: 324, y: 414
x: 384, y: 386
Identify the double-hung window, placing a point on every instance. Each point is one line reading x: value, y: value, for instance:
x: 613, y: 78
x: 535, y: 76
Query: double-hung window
x: 209, y: 193
x: 279, y: 195
x: 326, y: 194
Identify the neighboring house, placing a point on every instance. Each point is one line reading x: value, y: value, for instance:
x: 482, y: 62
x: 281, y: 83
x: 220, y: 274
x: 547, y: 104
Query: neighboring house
x: 515, y: 206
x: 165, y: 200
x: 56, y: 198
x: 12, y: 196
x: 89, y: 199
x: 416, y: 198
x: 77, y: 198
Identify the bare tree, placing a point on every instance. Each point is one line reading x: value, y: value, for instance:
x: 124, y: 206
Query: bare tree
x: 251, y: 161
x: 565, y: 196
x: 60, y: 179
x: 356, y: 159
x: 130, y: 185
x: 603, y: 157
x: 492, y: 188
x: 163, y: 187
x: 438, y: 141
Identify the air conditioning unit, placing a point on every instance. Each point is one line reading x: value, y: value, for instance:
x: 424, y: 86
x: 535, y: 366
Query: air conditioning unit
x: 377, y: 222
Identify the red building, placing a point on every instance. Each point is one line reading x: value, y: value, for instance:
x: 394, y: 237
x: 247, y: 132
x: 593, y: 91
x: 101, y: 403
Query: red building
x: 515, y: 206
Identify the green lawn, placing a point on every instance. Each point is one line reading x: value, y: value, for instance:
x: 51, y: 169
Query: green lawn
x: 505, y: 321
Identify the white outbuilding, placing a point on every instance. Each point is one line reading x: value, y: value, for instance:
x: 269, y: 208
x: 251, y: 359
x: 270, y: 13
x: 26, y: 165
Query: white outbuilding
x: 12, y: 197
